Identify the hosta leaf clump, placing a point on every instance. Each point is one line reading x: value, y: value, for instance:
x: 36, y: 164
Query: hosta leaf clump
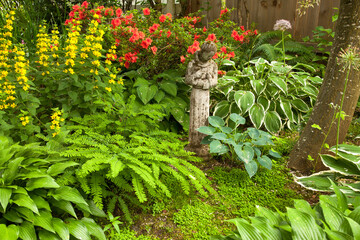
x: 248, y: 147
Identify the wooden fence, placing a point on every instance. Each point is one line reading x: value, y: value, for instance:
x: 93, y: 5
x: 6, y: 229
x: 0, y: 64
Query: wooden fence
x: 264, y: 14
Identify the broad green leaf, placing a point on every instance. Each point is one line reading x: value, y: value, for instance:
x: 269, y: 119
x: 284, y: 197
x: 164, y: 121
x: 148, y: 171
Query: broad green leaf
x: 251, y: 168
x: 273, y: 217
x: 13, y: 216
x: 355, y: 228
x: 217, y: 147
x: 305, y: 207
x: 286, y: 107
x: 279, y: 82
x: 227, y: 62
x: 272, y: 122
x: 310, y: 90
x: 40, y: 202
x: 300, y: 105
x: 340, y: 165
x: 257, y: 115
x: 347, y: 148
x: 5, y: 194
x: 96, y: 211
x: 169, y: 87
x: 27, y: 231
x: 46, y: 235
x: 146, y: 93
x: 222, y: 109
x: 216, y: 121
x: 65, y: 206
x: 25, y: 201
x: 68, y: 194
x: 333, y: 217
x: 267, y: 231
x: 181, y: 116
x: 140, y: 82
x: 226, y: 129
x: 265, y: 161
x: 93, y: 228
x: 237, y: 119
x: 245, y: 153
x: 58, y: 168
x: 43, y: 182
x: 44, y: 220
x: 206, y: 130
x: 73, y: 95
x: 336, y: 235
x: 8, y: 233
x: 264, y: 102
x: 78, y: 229
x: 12, y: 170
x: 258, y: 86
x: 159, y: 96
x: 274, y: 154
x: 246, y: 230
x: 317, y: 182
x: 61, y: 229
x: 245, y: 100
x: 219, y: 136
x: 304, y: 226
x: 341, y: 198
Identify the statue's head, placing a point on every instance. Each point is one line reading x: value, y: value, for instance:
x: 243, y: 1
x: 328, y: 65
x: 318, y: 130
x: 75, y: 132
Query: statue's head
x: 207, y: 51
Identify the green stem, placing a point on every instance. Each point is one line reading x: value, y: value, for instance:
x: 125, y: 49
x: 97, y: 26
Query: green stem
x: 283, y: 45
x: 340, y: 110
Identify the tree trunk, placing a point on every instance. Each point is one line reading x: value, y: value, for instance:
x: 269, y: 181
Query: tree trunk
x: 347, y: 34
x: 170, y: 8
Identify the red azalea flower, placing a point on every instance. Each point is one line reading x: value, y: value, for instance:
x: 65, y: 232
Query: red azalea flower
x: 118, y: 12
x: 109, y: 11
x: 182, y: 59
x: 221, y: 72
x: 204, y: 29
x: 154, y: 49
x: 168, y: 15
x: 234, y: 34
x: 168, y: 34
x: 211, y: 37
x: 72, y: 14
x: 231, y: 55
x: 76, y: 7
x: 146, y: 11
x: 146, y: 43
x: 141, y: 35
x: 216, y: 55
x: 256, y: 32
x: 222, y: 12
x: 242, y: 28
x: 154, y: 27
x: 116, y: 22
x: 194, y: 47
x: 127, y: 64
x: 85, y: 4
x: 196, y: 37
x: 223, y: 49
x: 162, y: 18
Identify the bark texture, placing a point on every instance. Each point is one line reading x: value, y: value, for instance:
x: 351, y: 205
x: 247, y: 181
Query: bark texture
x: 347, y: 34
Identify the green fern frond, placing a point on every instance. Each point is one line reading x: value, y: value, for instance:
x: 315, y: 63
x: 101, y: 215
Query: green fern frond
x: 142, y: 173
x: 110, y: 207
x: 96, y: 190
x: 124, y: 208
x: 269, y: 52
x: 122, y: 184
x: 139, y: 188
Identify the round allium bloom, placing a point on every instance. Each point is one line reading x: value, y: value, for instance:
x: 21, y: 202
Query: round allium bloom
x: 282, y: 25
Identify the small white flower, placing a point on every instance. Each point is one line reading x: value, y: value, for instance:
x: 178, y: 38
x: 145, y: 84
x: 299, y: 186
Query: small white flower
x: 282, y: 25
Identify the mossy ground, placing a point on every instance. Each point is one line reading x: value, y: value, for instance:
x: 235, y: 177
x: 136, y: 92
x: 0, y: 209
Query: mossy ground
x: 194, y: 217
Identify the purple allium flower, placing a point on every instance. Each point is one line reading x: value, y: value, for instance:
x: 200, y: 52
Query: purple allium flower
x: 282, y: 25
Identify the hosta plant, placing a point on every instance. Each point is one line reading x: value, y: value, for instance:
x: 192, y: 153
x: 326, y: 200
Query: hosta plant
x: 33, y: 204
x: 269, y: 94
x: 344, y: 169
x: 332, y: 218
x: 247, y: 146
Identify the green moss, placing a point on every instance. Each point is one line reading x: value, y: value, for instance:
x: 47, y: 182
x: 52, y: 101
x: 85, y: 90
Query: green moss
x: 127, y: 234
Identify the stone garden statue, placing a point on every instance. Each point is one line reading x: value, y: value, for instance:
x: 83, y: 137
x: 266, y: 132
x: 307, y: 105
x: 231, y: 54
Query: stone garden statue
x: 201, y: 74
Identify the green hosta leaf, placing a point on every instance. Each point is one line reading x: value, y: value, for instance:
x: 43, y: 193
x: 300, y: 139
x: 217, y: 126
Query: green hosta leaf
x: 336, y: 235
x: 279, y: 82
x: 318, y: 182
x: 300, y: 105
x: 245, y: 153
x: 141, y: 82
x: 169, y: 87
x: 93, y: 228
x: 206, y: 130
x: 286, y: 107
x: 267, y: 231
x: 46, y: 235
x: 27, y: 231
x: 216, y: 121
x: 273, y: 218
x: 274, y: 154
x: 78, y: 229
x: 58, y: 168
x: 304, y: 206
x: 13, y: 216
x: 245, y: 100
x: 341, y: 198
x: 8, y: 233
x: 219, y: 136
x: 68, y: 194
x: 304, y: 226
x: 340, y: 165
x: 333, y: 217
x: 146, y: 93
x: 40, y: 202
x: 258, y: 86
x: 43, y: 182
x: 181, y: 116
x: 246, y: 230
x: 272, y: 122
x: 355, y: 228
x: 265, y: 161
x: 226, y: 129
x: 65, y: 206
x: 25, y: 201
x: 310, y: 90
x: 222, y: 109
x: 251, y: 168
x: 44, y: 220
x: 5, y: 194
x: 264, y: 102
x: 227, y: 62
x: 237, y: 119
x: 257, y: 115
x: 346, y: 148
x: 217, y: 147
x: 12, y: 170
x: 61, y: 229
x: 159, y: 96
